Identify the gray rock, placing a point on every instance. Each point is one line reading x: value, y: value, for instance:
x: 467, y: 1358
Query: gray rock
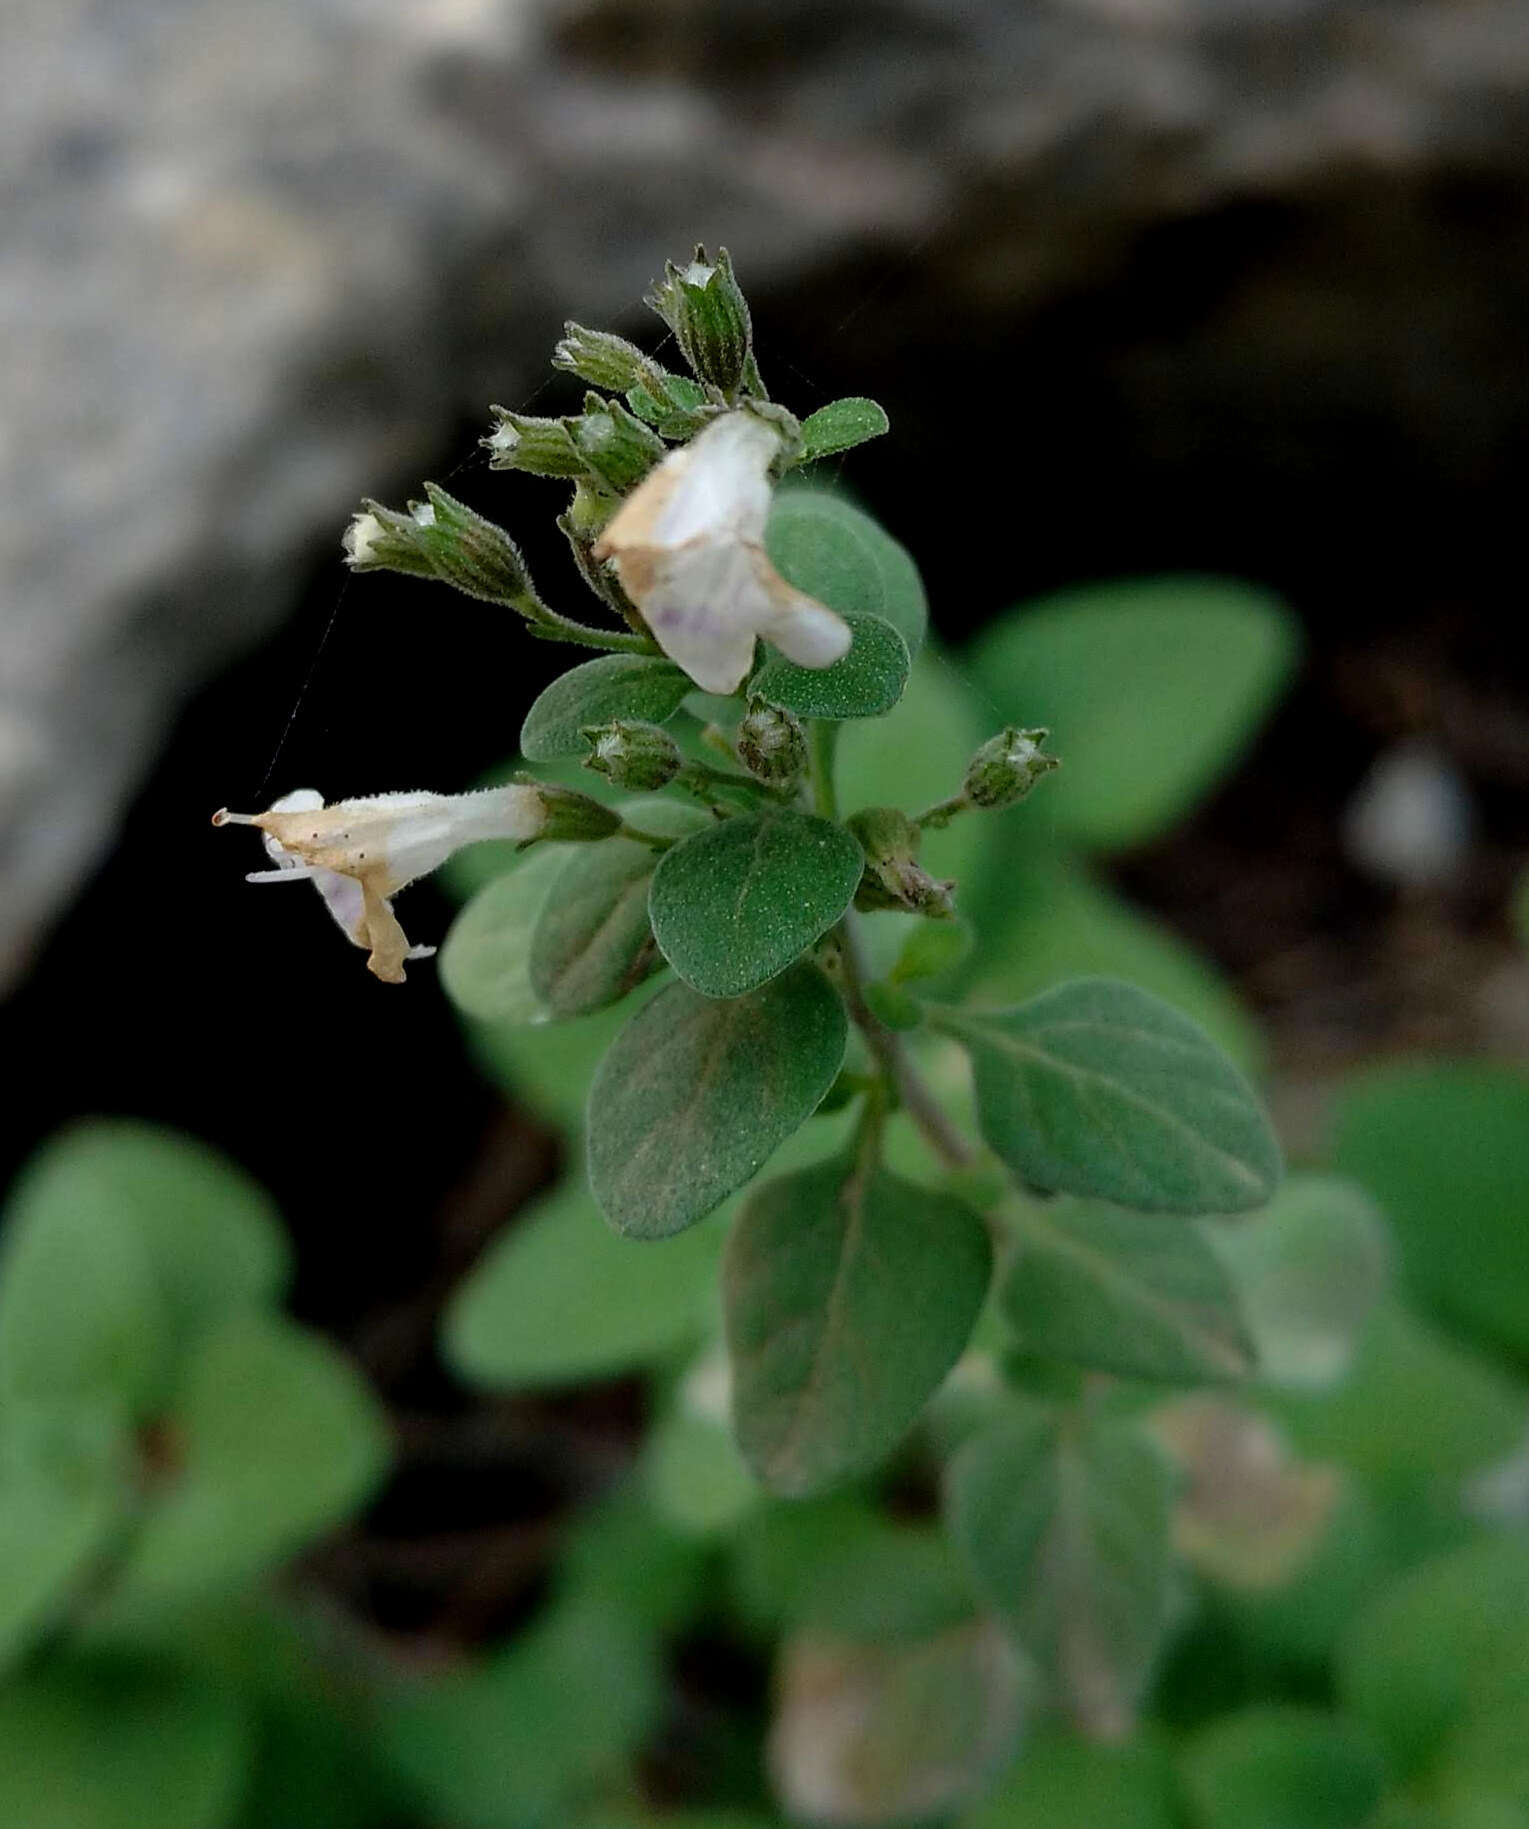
x: 256, y: 260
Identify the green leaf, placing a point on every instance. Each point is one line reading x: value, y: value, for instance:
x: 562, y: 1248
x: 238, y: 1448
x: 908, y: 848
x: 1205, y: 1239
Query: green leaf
x: 1448, y: 1642
x: 485, y: 964
x: 592, y: 943
x: 1097, y: 1088
x: 278, y: 1441
x: 549, y: 1066
x: 1128, y: 1293
x: 1274, y: 1767
x: 63, y: 1488
x: 123, y: 1243
x: 560, y: 1299
x: 840, y: 426
x: 849, y: 1295
x: 892, y: 1733
x: 1065, y: 1525
x: 545, y: 1724
x: 1063, y: 1782
x: 693, y: 1472
x: 101, y: 1745
x: 931, y: 950
x: 1150, y: 689
x: 1308, y: 1270
x: 1443, y: 1149
x: 696, y: 1092
x: 866, y: 683
x: 842, y: 557
x: 735, y: 904
x: 638, y: 686
x: 1481, y: 1778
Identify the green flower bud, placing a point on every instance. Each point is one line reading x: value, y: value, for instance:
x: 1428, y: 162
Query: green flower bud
x: 440, y: 538
x: 600, y: 358
x: 771, y: 744
x: 615, y: 444
x: 569, y: 816
x: 544, y: 447
x: 703, y: 306
x: 1007, y: 767
x: 894, y: 878
x: 640, y: 757
x: 674, y: 404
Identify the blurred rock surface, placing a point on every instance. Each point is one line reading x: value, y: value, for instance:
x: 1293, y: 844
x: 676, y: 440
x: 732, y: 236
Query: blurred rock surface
x: 257, y: 261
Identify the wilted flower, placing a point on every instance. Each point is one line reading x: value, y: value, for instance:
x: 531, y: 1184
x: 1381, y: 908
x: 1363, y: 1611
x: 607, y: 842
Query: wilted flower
x: 689, y: 549
x: 360, y: 853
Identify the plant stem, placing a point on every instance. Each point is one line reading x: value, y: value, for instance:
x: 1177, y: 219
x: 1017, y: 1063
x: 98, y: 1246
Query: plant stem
x: 638, y: 836
x: 822, y: 739
x: 552, y: 625
x: 942, y: 812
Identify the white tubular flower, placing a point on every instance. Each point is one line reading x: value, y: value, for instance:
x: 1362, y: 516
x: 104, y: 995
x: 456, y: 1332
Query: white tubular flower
x: 360, y: 853
x: 689, y: 549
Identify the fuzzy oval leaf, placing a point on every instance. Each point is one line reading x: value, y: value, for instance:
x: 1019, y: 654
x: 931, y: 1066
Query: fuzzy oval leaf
x: 696, y: 1092
x: 1130, y: 1293
x: 1065, y: 1526
x: 639, y: 686
x: 839, y: 555
x: 1150, y: 689
x: 840, y: 426
x: 1270, y: 1767
x: 849, y: 1294
x: 1065, y: 1782
x: 734, y: 905
x: 560, y: 1299
x: 593, y: 943
x: 1097, y: 1088
x: 485, y: 964
x: 866, y: 683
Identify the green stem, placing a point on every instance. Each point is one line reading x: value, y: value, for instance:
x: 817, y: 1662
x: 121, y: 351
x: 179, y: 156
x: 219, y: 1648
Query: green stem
x: 942, y: 813
x: 822, y: 740
x: 552, y: 625
x: 640, y: 837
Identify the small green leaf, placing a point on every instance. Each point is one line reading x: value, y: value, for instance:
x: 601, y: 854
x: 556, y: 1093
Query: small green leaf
x: 694, y: 1474
x: 1128, y: 1293
x: 592, y: 942
x: 696, y: 1092
x: 735, y: 904
x: 1097, y: 1088
x: 931, y: 950
x: 485, y: 964
x: 638, y: 686
x: 63, y: 1487
x: 1150, y: 689
x: 865, y: 684
x: 1443, y: 1148
x: 1065, y: 1525
x: 1064, y: 1782
x: 842, y: 557
x: 279, y: 1441
x: 560, y: 1299
x: 840, y: 426
x: 87, y: 1744
x: 1273, y: 1767
x: 849, y: 1294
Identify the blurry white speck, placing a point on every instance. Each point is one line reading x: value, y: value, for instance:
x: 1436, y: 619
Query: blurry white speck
x: 1411, y: 818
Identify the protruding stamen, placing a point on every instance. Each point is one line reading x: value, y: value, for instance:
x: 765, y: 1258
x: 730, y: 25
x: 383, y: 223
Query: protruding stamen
x: 291, y: 873
x: 224, y: 818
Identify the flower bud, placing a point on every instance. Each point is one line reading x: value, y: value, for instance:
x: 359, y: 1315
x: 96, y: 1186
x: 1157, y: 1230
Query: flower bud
x: 600, y: 358
x: 544, y: 447
x: 771, y: 744
x: 440, y: 538
x: 1007, y: 767
x: 569, y: 816
x: 640, y: 757
x: 674, y: 404
x: 615, y: 444
x: 894, y: 878
x: 703, y: 306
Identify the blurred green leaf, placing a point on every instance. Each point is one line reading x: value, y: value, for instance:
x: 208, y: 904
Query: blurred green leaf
x: 1128, y: 1293
x: 931, y: 950
x: 559, y: 1298
x: 485, y: 964
x: 1481, y: 1778
x: 840, y: 426
x: 621, y: 1554
x: 1061, y: 1781
x: 1098, y: 1088
x: 1446, y: 1644
x: 838, y: 554
x: 1281, y: 1768
x: 696, y: 1092
x: 1065, y: 1525
x: 63, y: 1489
x: 278, y: 1440
x: 1443, y: 1149
x: 592, y: 942
x: 638, y: 686
x: 102, y: 1745
x: 549, y: 1066
x: 849, y: 1295
x: 1309, y: 1269
x: 866, y: 683
x: 1151, y: 689
x: 734, y: 905
x: 544, y: 1725
x: 694, y: 1473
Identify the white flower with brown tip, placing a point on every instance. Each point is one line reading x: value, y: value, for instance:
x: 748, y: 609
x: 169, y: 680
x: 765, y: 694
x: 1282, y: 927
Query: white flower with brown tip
x: 688, y: 545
